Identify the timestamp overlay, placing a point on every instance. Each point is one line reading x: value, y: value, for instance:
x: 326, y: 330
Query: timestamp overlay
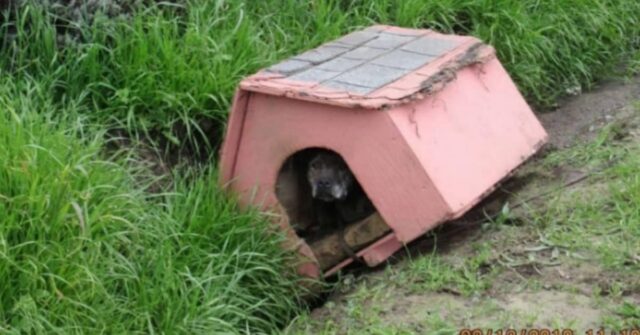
x: 546, y: 331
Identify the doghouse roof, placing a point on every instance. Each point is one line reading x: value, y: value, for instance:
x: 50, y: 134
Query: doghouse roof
x: 372, y: 68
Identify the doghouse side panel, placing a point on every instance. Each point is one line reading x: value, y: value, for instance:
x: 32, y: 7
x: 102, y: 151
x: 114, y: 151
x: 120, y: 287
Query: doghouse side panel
x: 471, y: 134
x: 387, y: 169
x: 233, y: 133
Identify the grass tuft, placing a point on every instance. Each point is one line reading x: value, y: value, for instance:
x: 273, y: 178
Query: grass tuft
x: 84, y: 249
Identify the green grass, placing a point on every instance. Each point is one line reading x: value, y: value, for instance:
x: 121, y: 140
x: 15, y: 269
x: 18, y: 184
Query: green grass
x: 601, y: 221
x: 85, y: 249
x: 168, y: 67
x: 433, y: 273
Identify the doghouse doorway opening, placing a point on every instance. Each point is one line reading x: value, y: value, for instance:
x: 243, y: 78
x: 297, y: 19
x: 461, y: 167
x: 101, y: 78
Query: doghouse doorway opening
x: 333, y: 228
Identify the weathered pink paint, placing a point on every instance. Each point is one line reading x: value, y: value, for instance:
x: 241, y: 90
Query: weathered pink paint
x: 423, y: 155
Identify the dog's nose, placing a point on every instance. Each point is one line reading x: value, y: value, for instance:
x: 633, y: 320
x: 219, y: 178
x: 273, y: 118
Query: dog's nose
x: 324, y: 183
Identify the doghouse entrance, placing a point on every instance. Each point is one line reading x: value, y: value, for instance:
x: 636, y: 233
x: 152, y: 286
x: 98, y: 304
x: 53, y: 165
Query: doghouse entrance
x: 326, y: 205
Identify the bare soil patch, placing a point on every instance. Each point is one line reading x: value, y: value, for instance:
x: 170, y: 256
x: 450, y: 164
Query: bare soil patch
x: 579, y: 117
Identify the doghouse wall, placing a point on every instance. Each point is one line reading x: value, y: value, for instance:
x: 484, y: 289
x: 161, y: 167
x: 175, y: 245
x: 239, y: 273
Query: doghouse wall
x: 268, y: 129
x: 471, y: 134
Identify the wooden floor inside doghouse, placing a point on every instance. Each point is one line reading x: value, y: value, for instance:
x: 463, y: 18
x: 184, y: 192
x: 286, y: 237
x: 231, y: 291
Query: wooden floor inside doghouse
x: 334, y: 230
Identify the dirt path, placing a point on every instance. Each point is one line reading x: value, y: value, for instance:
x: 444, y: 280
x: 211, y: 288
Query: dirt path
x: 476, y: 274
x: 580, y: 117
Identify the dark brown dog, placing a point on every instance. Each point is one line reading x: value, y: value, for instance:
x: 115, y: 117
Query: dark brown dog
x: 338, y: 198
x: 332, y: 183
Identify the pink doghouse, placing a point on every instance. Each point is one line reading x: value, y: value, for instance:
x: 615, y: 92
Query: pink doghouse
x: 428, y: 123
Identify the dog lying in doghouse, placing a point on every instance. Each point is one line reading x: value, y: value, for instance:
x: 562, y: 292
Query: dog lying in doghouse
x: 321, y: 194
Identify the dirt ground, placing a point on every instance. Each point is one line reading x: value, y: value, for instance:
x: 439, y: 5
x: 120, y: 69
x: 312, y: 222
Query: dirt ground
x: 535, y: 286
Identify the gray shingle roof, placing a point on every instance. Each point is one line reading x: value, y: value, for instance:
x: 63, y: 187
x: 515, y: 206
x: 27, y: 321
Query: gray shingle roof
x: 364, y: 61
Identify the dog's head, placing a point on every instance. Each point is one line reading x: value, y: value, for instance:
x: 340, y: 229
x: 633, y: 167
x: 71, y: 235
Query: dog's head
x: 329, y: 177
